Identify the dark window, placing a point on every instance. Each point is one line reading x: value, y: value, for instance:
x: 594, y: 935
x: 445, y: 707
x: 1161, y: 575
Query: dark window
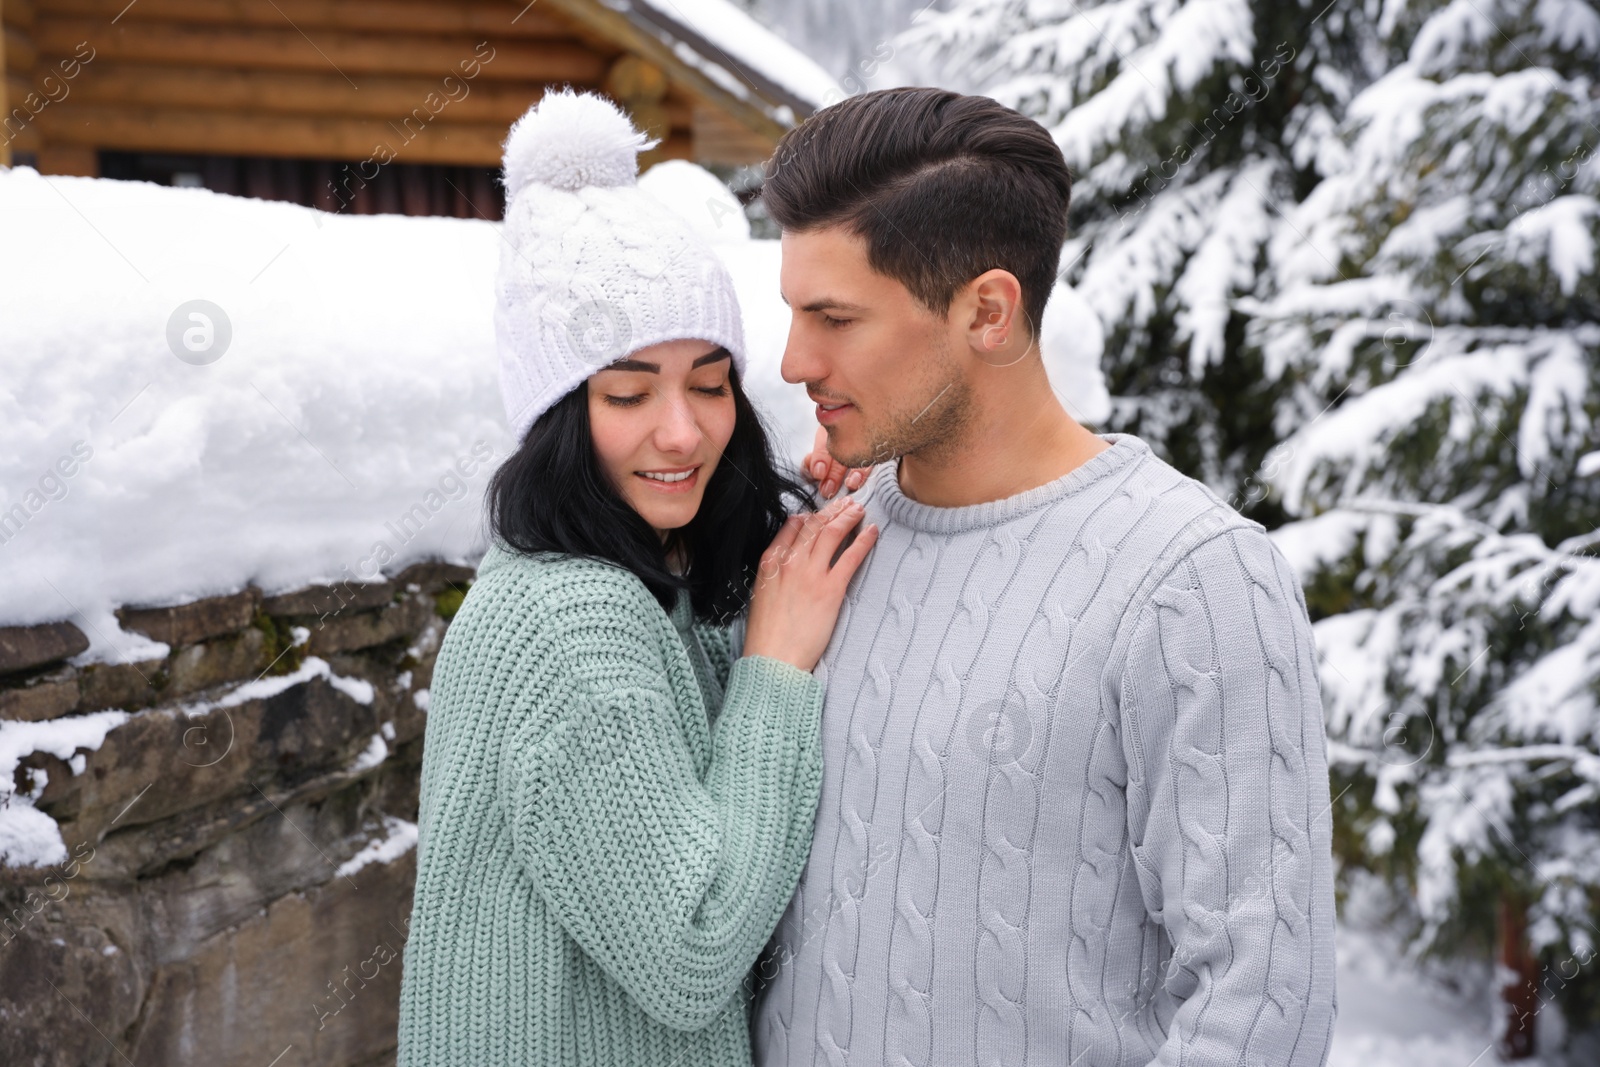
x: 332, y: 185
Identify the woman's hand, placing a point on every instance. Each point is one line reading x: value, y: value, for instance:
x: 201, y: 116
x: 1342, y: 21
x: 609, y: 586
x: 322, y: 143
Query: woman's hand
x: 829, y: 474
x: 797, y: 595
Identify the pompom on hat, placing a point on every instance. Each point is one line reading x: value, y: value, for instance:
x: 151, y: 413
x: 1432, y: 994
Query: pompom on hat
x: 592, y: 267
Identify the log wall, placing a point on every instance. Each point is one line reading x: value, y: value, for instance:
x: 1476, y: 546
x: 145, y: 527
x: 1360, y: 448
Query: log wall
x: 415, y: 81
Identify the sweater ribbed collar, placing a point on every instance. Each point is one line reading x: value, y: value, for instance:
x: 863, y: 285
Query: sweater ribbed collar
x: 682, y: 613
x: 883, y: 489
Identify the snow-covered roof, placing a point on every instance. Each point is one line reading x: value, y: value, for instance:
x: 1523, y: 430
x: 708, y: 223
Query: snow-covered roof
x: 737, y: 52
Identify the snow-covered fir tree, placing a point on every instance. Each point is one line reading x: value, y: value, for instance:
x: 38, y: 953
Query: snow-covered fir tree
x: 1435, y: 303
x: 1344, y: 254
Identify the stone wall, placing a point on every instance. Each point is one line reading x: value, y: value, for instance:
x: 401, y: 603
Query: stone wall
x: 240, y: 845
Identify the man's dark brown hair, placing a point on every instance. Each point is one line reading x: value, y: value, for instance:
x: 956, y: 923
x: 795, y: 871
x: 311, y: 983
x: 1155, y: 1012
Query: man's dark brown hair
x: 941, y: 186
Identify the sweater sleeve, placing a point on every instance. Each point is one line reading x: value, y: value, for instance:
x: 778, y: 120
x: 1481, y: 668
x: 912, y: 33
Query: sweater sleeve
x: 671, y: 882
x: 1228, y: 806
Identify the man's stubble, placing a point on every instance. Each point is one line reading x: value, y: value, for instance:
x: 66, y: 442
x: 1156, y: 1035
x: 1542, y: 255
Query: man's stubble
x: 931, y: 425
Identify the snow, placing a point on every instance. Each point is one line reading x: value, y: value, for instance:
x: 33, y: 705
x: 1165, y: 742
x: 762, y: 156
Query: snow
x: 1427, y: 230
x: 1387, y: 1017
x: 743, y: 40
x: 1557, y: 389
x: 1571, y: 25
x: 1397, y: 1012
x: 358, y: 376
x: 28, y: 837
x: 1071, y: 342
x: 399, y: 838
x: 1197, y: 37
x: 1558, y: 234
x: 1353, y: 647
x: 376, y: 749
x: 701, y: 200
x: 1441, y: 39
x: 1141, y: 258
x: 1223, y: 263
x: 262, y: 688
x: 1354, y: 435
x: 1553, y: 696
x: 356, y: 689
x: 375, y: 753
x: 1320, y: 541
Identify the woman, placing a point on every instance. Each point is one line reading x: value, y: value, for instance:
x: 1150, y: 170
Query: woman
x: 618, y: 786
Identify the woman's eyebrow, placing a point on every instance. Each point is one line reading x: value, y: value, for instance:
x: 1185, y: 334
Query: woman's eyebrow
x: 655, y: 368
x: 711, y: 357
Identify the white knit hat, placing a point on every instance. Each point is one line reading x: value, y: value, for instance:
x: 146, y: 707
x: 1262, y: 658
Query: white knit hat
x: 592, y: 267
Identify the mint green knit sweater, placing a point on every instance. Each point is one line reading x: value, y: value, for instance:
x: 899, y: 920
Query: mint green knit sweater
x: 613, y: 817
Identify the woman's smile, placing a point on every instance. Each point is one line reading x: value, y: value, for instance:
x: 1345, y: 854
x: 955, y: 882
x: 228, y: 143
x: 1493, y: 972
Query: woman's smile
x: 672, y: 479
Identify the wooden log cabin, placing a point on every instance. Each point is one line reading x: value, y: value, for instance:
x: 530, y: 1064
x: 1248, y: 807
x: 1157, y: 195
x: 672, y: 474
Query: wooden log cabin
x: 370, y: 106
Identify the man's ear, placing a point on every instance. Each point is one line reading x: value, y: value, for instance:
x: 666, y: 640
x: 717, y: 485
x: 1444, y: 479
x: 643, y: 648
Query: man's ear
x: 997, y: 326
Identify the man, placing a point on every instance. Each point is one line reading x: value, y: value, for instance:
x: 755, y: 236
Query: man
x: 1075, y: 796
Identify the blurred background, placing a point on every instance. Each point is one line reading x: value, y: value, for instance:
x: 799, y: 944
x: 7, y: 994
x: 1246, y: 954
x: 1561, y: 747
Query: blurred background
x: 1336, y: 260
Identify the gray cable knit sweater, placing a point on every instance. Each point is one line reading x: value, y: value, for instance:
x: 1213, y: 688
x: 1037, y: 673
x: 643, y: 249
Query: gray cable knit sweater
x: 1075, y: 792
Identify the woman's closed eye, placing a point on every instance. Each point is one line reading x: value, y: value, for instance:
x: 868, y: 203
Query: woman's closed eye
x: 634, y: 399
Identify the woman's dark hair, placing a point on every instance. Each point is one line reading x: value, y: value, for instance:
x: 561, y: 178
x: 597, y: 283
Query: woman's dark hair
x: 551, y: 495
